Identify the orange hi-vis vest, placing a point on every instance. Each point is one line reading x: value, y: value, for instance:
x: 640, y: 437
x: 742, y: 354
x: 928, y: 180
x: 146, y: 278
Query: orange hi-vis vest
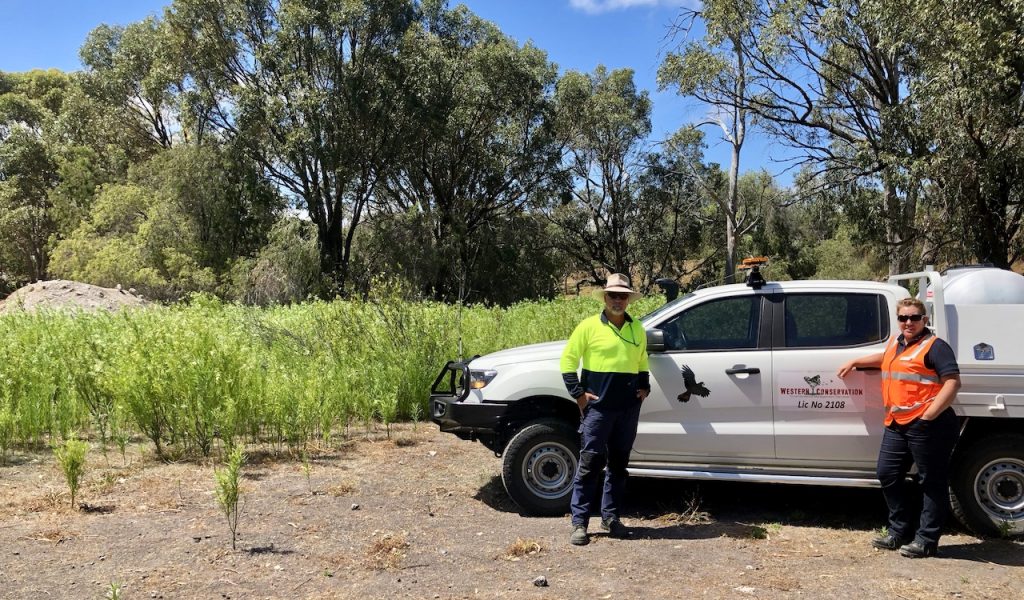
x: 908, y: 386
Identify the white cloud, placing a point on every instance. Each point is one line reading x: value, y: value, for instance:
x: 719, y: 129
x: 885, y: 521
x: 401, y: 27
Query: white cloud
x: 600, y: 6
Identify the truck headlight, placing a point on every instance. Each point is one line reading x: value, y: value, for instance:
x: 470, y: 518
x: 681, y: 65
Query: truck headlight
x: 478, y: 379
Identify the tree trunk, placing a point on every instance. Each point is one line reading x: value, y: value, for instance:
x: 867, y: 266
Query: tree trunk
x: 899, y: 216
x: 332, y: 251
x: 989, y: 224
x: 732, y: 204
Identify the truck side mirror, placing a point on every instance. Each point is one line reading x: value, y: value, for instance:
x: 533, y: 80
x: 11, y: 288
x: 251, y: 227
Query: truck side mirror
x: 655, y: 340
x: 670, y: 287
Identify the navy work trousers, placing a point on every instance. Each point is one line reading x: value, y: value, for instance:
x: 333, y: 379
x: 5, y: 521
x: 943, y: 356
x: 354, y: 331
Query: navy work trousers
x: 929, y: 445
x: 606, y: 439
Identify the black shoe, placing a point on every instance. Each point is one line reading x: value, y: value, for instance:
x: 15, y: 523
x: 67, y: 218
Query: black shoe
x: 888, y: 542
x: 579, y: 536
x: 916, y: 549
x: 614, y: 527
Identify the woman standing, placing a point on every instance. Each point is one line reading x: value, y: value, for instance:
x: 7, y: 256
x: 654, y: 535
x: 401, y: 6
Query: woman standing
x: 920, y: 379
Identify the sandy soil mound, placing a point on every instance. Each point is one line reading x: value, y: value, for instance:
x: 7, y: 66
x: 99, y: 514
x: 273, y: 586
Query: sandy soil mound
x: 60, y: 293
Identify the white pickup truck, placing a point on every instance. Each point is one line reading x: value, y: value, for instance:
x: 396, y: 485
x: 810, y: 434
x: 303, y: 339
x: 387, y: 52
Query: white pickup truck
x: 744, y: 388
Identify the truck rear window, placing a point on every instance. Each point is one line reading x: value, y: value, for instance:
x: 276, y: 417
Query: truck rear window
x: 834, y: 320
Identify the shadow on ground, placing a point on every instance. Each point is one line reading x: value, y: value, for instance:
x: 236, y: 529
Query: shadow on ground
x: 998, y: 552
x: 493, y: 494
x: 751, y: 505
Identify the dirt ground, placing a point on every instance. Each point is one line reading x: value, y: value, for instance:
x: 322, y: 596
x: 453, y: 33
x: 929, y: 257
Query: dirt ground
x: 424, y: 515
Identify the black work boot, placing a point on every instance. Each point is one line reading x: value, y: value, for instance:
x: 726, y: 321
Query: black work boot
x: 889, y: 542
x: 916, y: 549
x: 579, y: 536
x: 614, y: 527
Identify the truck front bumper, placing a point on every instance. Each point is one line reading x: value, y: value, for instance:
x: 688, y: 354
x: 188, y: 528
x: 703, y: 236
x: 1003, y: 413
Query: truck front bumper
x: 468, y: 420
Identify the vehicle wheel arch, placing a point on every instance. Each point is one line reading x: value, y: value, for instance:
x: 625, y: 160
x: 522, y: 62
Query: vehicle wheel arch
x: 536, y: 408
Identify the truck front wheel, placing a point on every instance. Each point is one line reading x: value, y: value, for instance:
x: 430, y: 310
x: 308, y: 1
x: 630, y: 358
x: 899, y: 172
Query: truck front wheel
x: 988, y: 486
x: 539, y: 466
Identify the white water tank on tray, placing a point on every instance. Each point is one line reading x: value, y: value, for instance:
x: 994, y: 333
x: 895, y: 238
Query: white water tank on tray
x: 982, y: 285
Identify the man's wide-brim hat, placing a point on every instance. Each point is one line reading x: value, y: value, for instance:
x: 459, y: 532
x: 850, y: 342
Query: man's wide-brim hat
x: 617, y: 282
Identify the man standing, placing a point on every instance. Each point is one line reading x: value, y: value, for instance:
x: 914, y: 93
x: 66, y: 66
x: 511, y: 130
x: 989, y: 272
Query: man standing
x: 615, y: 380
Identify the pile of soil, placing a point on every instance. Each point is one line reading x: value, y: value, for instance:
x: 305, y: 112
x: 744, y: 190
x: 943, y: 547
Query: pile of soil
x: 60, y: 293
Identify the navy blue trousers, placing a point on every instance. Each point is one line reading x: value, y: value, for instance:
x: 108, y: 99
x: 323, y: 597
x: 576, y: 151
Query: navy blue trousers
x: 929, y: 445
x: 606, y: 439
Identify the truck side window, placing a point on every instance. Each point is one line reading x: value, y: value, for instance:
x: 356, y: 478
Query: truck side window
x: 834, y: 320
x: 727, y: 324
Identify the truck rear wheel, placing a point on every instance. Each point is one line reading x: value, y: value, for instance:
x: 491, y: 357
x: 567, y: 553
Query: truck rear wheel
x: 539, y: 466
x: 988, y: 486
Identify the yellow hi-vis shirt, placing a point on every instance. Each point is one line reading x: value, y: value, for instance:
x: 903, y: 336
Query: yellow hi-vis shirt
x: 614, y: 360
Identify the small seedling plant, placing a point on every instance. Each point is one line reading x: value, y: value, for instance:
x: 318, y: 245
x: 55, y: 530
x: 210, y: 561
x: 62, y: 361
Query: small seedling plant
x: 228, y: 492
x: 307, y: 470
x: 71, y: 458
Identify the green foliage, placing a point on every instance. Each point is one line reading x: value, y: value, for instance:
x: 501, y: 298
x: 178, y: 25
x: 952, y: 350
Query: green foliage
x: 841, y: 258
x: 114, y: 591
x: 968, y: 83
x: 132, y: 70
x: 479, y: 148
x: 285, y: 270
x: 175, y: 228
x: 314, y: 96
x: 71, y: 458
x: 7, y: 423
x: 604, y: 210
x: 30, y: 376
x: 29, y: 103
x: 194, y: 375
x: 228, y: 491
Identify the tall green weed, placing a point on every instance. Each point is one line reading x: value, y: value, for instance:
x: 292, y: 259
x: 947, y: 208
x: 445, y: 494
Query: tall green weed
x: 192, y: 376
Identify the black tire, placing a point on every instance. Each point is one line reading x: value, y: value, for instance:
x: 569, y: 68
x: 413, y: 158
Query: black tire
x: 539, y: 465
x: 987, y: 486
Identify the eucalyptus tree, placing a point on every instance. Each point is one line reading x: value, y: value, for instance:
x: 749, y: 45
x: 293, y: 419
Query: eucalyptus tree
x: 970, y: 92
x: 479, y: 147
x: 674, y: 221
x: 310, y: 89
x: 134, y: 72
x: 29, y: 103
x: 825, y: 79
x: 713, y: 70
x: 604, y: 122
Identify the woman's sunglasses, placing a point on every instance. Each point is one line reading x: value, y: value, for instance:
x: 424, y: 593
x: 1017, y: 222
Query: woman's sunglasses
x: 912, y: 318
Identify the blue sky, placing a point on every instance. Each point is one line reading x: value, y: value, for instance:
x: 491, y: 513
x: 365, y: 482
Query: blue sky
x: 576, y: 34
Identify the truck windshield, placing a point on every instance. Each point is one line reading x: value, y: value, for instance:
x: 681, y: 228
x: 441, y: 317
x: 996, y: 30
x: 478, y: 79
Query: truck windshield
x: 664, y: 308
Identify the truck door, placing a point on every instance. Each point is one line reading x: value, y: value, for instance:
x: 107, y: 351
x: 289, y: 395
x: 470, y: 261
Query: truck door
x: 727, y: 414
x: 818, y: 416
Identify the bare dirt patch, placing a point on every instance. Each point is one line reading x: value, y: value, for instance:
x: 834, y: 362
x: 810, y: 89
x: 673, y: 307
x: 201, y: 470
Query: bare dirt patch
x: 63, y: 294
x: 379, y: 519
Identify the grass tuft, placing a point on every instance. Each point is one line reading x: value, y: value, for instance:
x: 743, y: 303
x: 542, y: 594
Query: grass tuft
x: 522, y: 548
x: 387, y: 552
x: 691, y: 514
x: 342, y: 489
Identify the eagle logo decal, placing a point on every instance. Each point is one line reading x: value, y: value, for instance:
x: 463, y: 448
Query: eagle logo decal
x: 813, y: 383
x: 692, y: 385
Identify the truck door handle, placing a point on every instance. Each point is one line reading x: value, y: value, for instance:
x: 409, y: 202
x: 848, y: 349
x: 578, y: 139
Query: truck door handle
x: 750, y: 370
